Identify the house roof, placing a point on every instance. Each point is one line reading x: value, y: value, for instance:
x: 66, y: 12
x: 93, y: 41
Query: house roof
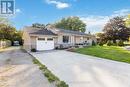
x: 44, y: 32
x: 60, y: 30
x: 71, y: 32
x: 47, y: 31
x: 39, y: 31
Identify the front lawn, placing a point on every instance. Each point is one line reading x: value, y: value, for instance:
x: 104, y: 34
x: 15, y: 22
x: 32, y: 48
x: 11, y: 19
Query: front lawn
x: 107, y: 52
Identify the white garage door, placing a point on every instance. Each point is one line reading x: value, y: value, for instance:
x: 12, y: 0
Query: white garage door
x: 45, y: 44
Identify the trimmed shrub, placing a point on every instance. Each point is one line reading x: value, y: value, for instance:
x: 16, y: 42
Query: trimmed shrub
x: 100, y: 43
x: 109, y: 43
x: 120, y: 43
x: 56, y: 48
x: 61, y: 46
x: 61, y: 84
x: 114, y: 44
x: 33, y: 50
x: 93, y: 43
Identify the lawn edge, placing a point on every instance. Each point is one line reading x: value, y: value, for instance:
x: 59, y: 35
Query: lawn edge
x: 103, y: 58
x: 47, y: 73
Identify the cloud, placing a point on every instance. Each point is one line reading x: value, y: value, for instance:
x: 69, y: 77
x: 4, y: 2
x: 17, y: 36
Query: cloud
x: 18, y: 10
x: 95, y: 23
x: 122, y: 12
x: 58, y: 4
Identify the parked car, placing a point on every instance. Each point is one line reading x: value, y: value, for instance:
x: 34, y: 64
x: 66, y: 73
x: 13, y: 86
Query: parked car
x: 16, y: 43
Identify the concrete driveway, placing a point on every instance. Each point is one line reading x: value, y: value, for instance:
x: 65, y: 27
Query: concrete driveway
x: 85, y: 71
x: 17, y: 70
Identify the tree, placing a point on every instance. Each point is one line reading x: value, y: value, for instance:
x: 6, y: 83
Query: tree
x: 18, y: 36
x: 38, y: 25
x: 7, y: 32
x: 101, y: 38
x: 109, y: 43
x: 4, y: 21
x: 127, y: 21
x: 115, y: 29
x: 71, y: 23
x: 120, y: 43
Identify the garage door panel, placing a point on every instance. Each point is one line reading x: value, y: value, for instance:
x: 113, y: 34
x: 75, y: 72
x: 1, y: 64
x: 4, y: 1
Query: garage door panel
x: 50, y: 44
x: 47, y: 44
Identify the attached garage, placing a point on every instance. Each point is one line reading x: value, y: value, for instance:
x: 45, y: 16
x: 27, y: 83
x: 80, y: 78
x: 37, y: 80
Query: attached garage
x: 41, y: 39
x: 45, y: 43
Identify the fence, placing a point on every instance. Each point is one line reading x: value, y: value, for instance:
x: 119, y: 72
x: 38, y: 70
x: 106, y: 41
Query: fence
x: 4, y: 44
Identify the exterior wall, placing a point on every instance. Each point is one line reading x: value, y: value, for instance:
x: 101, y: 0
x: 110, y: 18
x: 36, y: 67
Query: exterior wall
x: 88, y: 39
x: 65, y: 45
x: 55, y: 40
x: 27, y: 41
x: 85, y: 38
x: 60, y: 39
x: 71, y: 39
x: 92, y: 38
x: 79, y: 39
x: 33, y: 42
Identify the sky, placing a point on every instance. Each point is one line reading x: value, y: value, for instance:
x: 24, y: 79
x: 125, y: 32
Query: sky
x: 95, y: 13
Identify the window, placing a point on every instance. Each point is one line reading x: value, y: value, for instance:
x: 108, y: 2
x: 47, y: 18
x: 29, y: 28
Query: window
x: 49, y: 39
x: 87, y: 38
x: 65, y: 39
x: 41, y: 38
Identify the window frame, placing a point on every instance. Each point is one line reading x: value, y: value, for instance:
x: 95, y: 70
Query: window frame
x: 65, y: 39
x: 49, y: 39
x: 43, y: 39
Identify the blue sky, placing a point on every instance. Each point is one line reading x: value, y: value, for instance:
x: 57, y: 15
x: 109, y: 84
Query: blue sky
x: 95, y: 13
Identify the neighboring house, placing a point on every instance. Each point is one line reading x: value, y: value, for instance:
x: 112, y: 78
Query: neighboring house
x: 50, y: 38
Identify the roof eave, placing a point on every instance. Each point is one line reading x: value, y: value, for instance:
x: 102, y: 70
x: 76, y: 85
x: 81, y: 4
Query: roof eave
x: 41, y: 35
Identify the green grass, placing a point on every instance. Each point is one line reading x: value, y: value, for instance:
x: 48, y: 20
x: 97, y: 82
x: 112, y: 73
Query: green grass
x: 107, y: 52
x: 47, y: 73
x: 50, y: 76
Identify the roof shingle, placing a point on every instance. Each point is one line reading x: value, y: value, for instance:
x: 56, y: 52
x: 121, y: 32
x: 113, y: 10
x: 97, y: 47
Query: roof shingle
x: 39, y: 31
x: 71, y: 32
